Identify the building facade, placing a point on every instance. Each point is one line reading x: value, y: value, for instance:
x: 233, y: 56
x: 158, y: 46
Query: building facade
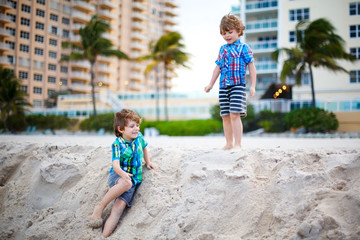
x: 32, y: 32
x: 270, y: 24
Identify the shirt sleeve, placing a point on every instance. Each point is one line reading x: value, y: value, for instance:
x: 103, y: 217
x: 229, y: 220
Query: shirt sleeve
x: 248, y: 55
x: 143, y: 142
x: 220, y: 56
x: 115, y: 151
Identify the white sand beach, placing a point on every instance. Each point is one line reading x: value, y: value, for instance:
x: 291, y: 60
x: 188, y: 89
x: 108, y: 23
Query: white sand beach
x: 275, y: 188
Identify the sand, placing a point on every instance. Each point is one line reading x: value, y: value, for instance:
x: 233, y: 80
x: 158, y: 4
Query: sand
x: 275, y: 188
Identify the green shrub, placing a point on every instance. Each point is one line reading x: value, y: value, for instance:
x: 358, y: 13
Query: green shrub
x: 184, y: 128
x: 271, y: 121
x: 312, y: 119
x: 49, y: 121
x: 104, y: 121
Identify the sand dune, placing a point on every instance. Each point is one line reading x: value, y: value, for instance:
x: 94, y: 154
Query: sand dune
x: 272, y: 189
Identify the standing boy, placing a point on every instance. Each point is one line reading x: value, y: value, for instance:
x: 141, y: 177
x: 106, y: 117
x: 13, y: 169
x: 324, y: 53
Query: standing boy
x: 231, y: 64
x: 128, y: 151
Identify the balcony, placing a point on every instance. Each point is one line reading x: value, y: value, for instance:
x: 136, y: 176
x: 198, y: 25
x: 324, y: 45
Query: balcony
x: 104, y: 79
x: 81, y: 17
x: 5, y: 47
x: 77, y: 26
x: 263, y: 67
x: 263, y: 46
x: 106, y: 14
x: 83, y: 6
x: 4, y: 61
x: 5, y: 32
x: 104, y: 68
x: 107, y: 3
x: 76, y: 39
x: 261, y: 26
x: 104, y: 59
x: 138, y: 46
x: 136, y: 76
x: 80, y: 75
x: 80, y: 64
x: 170, y: 11
x: 5, y: 5
x: 260, y: 6
x: 137, y: 6
x: 4, y: 18
x: 169, y: 20
x: 170, y: 3
x: 134, y: 86
x: 138, y: 36
x: 82, y: 88
x: 138, y: 26
x: 138, y: 16
x: 109, y: 37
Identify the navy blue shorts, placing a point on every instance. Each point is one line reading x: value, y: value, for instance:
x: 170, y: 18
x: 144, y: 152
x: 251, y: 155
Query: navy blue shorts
x: 233, y: 100
x: 127, y: 196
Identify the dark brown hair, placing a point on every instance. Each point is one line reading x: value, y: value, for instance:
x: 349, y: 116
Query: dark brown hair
x: 122, y: 119
x: 231, y: 22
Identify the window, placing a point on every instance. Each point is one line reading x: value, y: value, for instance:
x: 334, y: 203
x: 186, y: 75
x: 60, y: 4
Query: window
x: 39, y: 25
x: 24, y: 34
x: 13, y: 4
x: 299, y: 14
x: 52, y: 67
x: 37, y: 90
x: 10, y: 44
x: 25, y: 21
x: 51, y: 79
x: 41, y: 2
x: 39, y: 38
x: 24, y: 48
x: 40, y: 13
x: 12, y: 31
x: 64, y: 69
x: 38, y: 77
x: 39, y: 51
x: 355, y: 52
x: 354, y: 9
x: 52, y: 54
x: 24, y: 88
x: 354, y: 31
x: 66, y: 21
x: 23, y: 75
x: 53, y: 17
x: 25, y: 8
x: 53, y: 42
x: 54, y: 30
x: 355, y: 76
x: 51, y: 92
x: 292, y: 36
x: 36, y: 103
x: 64, y: 81
x: 12, y: 17
x: 66, y: 33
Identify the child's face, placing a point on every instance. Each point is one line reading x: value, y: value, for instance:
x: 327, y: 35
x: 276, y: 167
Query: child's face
x: 130, y: 131
x: 230, y: 36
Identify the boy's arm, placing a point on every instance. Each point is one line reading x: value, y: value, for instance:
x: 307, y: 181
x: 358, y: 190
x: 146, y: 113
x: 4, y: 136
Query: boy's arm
x: 119, y: 171
x: 252, y: 71
x: 148, y: 163
x: 215, y: 75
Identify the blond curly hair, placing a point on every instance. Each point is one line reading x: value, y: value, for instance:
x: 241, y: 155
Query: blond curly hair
x: 231, y: 22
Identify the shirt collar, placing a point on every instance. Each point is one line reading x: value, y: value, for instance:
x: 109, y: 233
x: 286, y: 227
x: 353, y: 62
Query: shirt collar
x: 238, y: 42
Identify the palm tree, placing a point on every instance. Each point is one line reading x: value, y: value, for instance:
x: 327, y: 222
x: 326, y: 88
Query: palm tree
x: 317, y: 46
x: 93, y: 45
x: 12, y: 98
x: 168, y: 50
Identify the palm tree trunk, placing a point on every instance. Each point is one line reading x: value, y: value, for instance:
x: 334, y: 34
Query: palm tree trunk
x: 165, y: 93
x: 312, y: 87
x: 157, y: 94
x: 93, y: 88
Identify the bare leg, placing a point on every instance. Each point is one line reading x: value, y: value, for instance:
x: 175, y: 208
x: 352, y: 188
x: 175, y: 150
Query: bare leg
x: 237, y: 129
x: 114, y: 217
x: 118, y: 189
x: 228, y: 131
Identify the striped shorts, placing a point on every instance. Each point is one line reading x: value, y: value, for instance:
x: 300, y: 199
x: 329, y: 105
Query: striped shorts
x: 233, y: 100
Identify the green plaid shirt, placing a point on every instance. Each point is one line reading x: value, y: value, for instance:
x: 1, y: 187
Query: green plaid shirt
x: 130, y: 155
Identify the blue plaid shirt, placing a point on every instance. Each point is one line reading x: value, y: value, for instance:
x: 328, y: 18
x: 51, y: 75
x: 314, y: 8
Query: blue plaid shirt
x: 130, y: 155
x: 233, y: 59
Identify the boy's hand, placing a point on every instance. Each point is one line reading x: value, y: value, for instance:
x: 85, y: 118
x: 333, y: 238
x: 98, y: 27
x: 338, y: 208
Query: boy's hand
x: 207, y: 88
x: 126, y: 175
x: 252, y: 92
x: 152, y: 166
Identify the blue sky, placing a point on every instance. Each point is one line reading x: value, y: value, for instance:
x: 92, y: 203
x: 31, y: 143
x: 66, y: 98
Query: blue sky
x: 198, y: 22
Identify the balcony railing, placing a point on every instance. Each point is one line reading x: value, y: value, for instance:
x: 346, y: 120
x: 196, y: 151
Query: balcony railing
x: 261, y: 25
x: 81, y: 16
x: 84, y: 5
x: 267, y: 66
x: 267, y: 46
x: 261, y: 5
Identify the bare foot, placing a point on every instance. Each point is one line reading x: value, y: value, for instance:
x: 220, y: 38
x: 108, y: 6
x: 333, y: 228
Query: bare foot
x: 96, y: 220
x: 227, y: 147
x: 236, y: 148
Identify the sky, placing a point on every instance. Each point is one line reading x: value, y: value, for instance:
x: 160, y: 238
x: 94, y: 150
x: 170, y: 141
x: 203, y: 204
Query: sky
x: 198, y: 23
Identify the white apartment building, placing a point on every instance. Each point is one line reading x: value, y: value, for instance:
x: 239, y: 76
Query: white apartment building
x: 270, y: 24
x: 32, y: 32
